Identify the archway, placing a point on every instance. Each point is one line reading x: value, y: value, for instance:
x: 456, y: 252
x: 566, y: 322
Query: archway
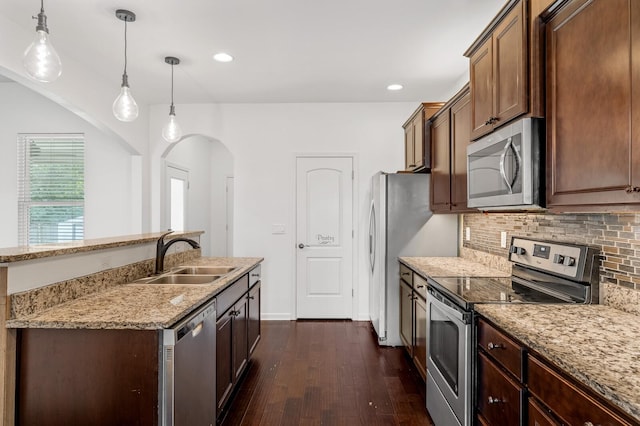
x: 209, y: 208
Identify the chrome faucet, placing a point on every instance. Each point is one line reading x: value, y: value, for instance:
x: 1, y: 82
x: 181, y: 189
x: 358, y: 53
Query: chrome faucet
x: 162, y: 247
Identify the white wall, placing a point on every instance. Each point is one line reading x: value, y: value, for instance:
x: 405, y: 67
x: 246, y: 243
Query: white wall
x: 108, y: 164
x: 264, y: 139
x: 208, y: 163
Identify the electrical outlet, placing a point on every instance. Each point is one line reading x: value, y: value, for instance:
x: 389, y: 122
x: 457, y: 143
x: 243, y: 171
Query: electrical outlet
x: 277, y: 228
x: 467, y: 234
x: 503, y: 239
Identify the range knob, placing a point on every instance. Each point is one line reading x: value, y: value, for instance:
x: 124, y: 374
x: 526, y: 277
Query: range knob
x: 517, y: 250
x: 569, y: 261
x: 559, y: 259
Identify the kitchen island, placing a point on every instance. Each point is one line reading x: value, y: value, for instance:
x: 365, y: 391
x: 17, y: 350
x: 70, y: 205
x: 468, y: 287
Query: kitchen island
x: 112, y: 347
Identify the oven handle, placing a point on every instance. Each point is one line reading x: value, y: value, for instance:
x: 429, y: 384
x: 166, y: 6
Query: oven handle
x: 451, y: 310
x: 541, y: 289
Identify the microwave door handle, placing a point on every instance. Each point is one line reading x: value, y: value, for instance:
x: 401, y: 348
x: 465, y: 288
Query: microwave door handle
x: 503, y: 173
x: 518, y: 163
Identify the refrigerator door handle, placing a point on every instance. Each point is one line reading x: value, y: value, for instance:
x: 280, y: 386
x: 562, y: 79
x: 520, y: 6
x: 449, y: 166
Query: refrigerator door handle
x: 372, y: 236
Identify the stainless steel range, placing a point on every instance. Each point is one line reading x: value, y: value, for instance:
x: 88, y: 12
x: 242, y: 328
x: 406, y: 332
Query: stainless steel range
x: 543, y: 272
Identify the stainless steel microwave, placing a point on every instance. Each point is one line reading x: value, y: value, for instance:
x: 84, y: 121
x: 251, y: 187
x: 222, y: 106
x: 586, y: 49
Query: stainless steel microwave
x: 505, y: 169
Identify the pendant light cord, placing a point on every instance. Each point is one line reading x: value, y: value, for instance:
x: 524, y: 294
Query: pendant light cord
x: 125, y: 47
x: 171, y: 84
x: 41, y: 6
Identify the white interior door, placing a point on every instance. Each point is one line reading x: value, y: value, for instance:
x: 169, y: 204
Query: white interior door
x: 177, y: 194
x: 324, y: 230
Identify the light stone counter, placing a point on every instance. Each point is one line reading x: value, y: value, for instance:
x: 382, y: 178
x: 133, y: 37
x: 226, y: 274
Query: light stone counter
x: 596, y: 344
x: 136, y: 306
x: 451, y: 267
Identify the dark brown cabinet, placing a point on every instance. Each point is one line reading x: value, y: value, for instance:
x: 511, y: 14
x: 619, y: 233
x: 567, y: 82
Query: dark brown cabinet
x: 413, y: 317
x: 501, y: 392
x: 224, y: 359
x: 593, y: 105
x: 450, y: 136
x: 498, y: 73
x: 550, y: 396
x: 416, y: 149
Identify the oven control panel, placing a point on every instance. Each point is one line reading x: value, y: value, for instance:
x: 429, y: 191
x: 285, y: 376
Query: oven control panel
x: 557, y: 258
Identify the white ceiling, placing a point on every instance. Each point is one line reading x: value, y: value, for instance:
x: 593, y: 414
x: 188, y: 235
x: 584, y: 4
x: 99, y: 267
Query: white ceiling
x: 285, y: 50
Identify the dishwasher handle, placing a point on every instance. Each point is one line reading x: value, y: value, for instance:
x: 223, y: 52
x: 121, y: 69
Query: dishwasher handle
x: 195, y: 323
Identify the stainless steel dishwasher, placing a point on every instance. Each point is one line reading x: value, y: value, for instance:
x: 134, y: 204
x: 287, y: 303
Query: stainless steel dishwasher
x: 189, y: 370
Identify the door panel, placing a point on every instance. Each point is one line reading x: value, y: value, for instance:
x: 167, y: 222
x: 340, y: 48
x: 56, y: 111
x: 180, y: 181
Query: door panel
x: 324, y: 212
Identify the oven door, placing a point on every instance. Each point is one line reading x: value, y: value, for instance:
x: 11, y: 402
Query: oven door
x: 448, y: 361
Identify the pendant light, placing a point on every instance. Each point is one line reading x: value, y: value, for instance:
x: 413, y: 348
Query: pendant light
x: 41, y: 61
x: 171, y: 131
x: 125, y: 107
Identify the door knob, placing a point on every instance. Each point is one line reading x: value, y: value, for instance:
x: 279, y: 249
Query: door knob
x: 301, y: 246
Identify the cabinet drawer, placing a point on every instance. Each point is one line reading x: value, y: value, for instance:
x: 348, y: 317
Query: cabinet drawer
x: 420, y: 285
x: 228, y: 297
x: 502, y: 348
x: 500, y: 398
x: 570, y: 403
x: 406, y: 274
x: 255, y: 275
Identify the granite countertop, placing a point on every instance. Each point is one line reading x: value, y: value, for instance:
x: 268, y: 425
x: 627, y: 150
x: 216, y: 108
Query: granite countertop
x: 136, y: 306
x: 595, y: 344
x: 450, y: 267
x: 21, y: 253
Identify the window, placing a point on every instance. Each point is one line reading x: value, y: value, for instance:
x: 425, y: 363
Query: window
x: 50, y: 188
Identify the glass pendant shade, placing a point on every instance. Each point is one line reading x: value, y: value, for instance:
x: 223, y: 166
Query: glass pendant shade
x: 125, y: 107
x: 41, y: 61
x: 171, y: 131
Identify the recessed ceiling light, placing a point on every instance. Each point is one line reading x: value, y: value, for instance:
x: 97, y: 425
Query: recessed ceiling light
x: 223, y: 57
x: 394, y: 87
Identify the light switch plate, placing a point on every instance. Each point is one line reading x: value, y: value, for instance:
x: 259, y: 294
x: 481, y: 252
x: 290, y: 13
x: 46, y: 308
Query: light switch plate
x: 467, y: 233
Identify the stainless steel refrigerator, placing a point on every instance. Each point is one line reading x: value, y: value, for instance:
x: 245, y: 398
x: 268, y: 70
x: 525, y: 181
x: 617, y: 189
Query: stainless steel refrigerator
x: 401, y: 224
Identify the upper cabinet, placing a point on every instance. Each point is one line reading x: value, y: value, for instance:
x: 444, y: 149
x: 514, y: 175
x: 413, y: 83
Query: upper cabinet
x: 505, y: 71
x: 416, y: 146
x: 450, y: 135
x: 593, y: 105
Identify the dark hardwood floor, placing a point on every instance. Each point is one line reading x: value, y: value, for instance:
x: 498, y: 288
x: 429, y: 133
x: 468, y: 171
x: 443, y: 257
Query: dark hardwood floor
x: 327, y: 373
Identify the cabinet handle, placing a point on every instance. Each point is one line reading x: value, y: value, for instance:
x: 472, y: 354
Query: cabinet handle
x: 493, y: 400
x: 405, y: 273
x: 250, y: 297
x: 420, y: 285
x: 412, y: 165
x: 255, y: 275
x: 629, y: 190
x: 410, y: 296
x: 486, y: 123
x: 636, y: 189
x: 491, y: 346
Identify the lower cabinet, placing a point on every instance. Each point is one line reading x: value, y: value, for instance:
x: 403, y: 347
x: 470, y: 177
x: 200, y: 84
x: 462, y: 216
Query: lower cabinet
x: 413, y: 317
x: 238, y: 333
x: 516, y: 387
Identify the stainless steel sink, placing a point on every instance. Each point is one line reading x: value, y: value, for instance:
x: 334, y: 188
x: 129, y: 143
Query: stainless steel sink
x: 182, y: 279
x: 204, y: 270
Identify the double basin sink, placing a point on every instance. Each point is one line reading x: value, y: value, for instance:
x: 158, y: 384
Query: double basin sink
x: 189, y: 275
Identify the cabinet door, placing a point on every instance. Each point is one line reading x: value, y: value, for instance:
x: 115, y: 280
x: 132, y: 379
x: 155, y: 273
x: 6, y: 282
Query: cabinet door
x: 460, y: 138
x: 510, y: 79
x: 420, y: 326
x: 589, y: 97
x: 440, y: 166
x: 500, y: 398
x: 409, y: 162
x: 240, y: 338
x: 224, y: 366
x: 418, y: 141
x: 481, y: 75
x: 406, y: 316
x: 254, y: 317
x: 538, y: 416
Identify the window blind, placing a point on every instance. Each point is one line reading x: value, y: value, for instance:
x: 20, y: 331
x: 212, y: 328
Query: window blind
x: 50, y: 188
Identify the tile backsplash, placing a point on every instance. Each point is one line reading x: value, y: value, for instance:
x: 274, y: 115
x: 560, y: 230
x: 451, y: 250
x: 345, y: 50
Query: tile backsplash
x: 616, y: 235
